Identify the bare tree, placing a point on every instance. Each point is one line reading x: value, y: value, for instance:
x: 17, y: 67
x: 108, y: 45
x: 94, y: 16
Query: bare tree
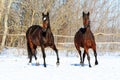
x: 65, y: 17
x: 5, y: 22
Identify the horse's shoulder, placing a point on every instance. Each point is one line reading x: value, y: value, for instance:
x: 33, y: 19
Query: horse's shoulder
x: 34, y: 27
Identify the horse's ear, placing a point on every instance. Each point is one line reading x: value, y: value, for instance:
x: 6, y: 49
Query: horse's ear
x: 42, y: 14
x: 83, y: 13
x: 88, y: 14
x: 48, y: 13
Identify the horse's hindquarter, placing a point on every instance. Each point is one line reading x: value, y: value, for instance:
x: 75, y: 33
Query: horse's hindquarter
x: 36, y: 37
x: 34, y: 33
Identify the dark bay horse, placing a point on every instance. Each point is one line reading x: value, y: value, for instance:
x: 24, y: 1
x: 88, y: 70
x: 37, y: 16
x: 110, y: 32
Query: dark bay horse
x: 84, y: 38
x: 40, y: 36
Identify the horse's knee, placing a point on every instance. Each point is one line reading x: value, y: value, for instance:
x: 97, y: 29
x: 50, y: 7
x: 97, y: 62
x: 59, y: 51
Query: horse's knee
x: 88, y: 57
x: 84, y: 56
x: 44, y: 56
x: 95, y: 54
x: 56, y: 50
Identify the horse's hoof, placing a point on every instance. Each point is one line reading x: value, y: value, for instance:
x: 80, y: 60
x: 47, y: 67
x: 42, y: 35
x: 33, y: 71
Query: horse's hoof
x: 90, y: 66
x: 57, y: 63
x: 81, y: 63
x: 29, y: 63
x: 45, y: 65
x: 37, y: 64
x: 96, y: 63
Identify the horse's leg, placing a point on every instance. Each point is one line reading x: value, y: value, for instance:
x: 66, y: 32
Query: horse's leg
x: 44, y: 56
x: 56, y: 50
x: 30, y: 57
x: 35, y: 52
x: 88, y: 56
x: 35, y: 55
x: 32, y: 53
x: 29, y: 52
x: 84, y: 54
x: 79, y: 51
x: 95, y: 54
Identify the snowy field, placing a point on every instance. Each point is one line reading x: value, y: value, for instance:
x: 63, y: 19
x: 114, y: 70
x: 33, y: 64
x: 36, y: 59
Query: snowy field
x: 14, y: 67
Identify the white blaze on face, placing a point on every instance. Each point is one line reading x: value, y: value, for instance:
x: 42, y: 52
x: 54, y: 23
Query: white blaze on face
x: 44, y: 18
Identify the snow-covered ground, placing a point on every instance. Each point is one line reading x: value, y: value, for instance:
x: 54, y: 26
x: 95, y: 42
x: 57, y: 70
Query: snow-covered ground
x: 14, y: 67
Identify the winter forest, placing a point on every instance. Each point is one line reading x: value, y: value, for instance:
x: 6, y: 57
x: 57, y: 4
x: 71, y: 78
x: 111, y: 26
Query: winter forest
x: 65, y: 18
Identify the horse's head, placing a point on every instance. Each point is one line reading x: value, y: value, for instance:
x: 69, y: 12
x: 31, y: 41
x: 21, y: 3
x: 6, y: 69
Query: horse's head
x: 45, y: 20
x: 86, y: 20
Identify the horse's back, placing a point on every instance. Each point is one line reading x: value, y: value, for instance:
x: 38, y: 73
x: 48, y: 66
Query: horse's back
x: 32, y: 28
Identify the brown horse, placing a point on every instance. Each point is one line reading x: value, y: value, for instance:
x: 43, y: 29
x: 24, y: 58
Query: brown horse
x: 84, y: 38
x: 40, y: 36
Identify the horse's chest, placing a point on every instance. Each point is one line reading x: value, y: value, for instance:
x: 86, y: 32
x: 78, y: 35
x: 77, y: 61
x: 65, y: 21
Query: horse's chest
x: 88, y: 41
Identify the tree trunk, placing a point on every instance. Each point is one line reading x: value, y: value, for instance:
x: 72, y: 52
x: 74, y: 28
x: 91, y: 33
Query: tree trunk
x: 6, y: 24
x: 33, y: 13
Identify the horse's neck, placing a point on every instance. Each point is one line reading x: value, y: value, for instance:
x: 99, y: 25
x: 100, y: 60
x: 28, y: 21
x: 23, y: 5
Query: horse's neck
x: 88, y: 28
x: 49, y: 25
x: 88, y: 32
x: 48, y: 32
